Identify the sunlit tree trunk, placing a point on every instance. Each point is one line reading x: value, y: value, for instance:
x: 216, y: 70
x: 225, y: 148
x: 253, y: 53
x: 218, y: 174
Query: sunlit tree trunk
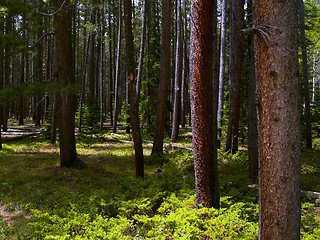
x: 278, y: 94
x: 201, y: 93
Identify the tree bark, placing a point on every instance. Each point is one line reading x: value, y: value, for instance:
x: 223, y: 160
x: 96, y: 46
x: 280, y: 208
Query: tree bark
x: 305, y: 75
x: 277, y: 69
x: 201, y: 93
x: 234, y: 76
x: 133, y: 101
x: 177, y: 78
x: 164, y: 78
x: 68, y: 153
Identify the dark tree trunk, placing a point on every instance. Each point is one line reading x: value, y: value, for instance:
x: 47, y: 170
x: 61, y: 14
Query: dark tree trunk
x: 110, y: 96
x: 305, y: 75
x: 91, y: 67
x: 201, y: 92
x: 164, y: 78
x: 177, y: 78
x: 21, y: 82
x: 133, y: 101
x: 253, y: 154
x: 117, y: 76
x: 184, y: 75
x: 67, y: 103
x: 222, y: 68
x: 234, y: 76
x: 101, y: 69
x: 1, y: 73
x: 278, y: 94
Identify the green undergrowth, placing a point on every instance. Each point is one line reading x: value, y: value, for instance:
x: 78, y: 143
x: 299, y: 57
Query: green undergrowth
x: 40, y: 200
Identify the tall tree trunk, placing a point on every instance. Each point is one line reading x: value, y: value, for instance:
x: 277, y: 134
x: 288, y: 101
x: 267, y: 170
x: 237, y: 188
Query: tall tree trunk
x: 116, y: 104
x: 234, y: 77
x: 133, y: 101
x: 177, y: 78
x: 305, y: 75
x: 223, y: 40
x: 142, y: 43
x: 184, y: 75
x: 253, y: 155
x: 201, y: 92
x: 111, y: 90
x: 101, y: 69
x: 278, y: 92
x: 1, y: 73
x: 68, y: 153
x: 164, y: 78
x: 91, y: 67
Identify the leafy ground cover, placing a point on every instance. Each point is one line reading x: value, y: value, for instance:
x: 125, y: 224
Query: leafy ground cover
x: 40, y: 200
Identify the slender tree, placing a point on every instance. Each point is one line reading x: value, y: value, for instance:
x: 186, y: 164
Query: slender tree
x: 164, y: 78
x: 234, y: 76
x: 117, y: 76
x: 223, y: 41
x: 133, y: 100
x: 68, y: 153
x: 277, y: 69
x: 177, y: 77
x: 201, y: 92
x: 305, y: 75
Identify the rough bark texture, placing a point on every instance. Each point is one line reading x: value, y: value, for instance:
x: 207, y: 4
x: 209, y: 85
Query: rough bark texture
x: 133, y: 101
x: 276, y: 56
x: 201, y: 92
x: 305, y: 75
x: 234, y: 76
x: 164, y: 78
x: 68, y: 153
x: 1, y: 74
x: 177, y: 78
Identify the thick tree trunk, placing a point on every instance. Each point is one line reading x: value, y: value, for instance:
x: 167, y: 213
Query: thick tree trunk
x: 277, y: 69
x: 305, y: 75
x: 201, y: 92
x: 164, y: 78
x: 177, y: 78
x: 234, y: 76
x: 101, y: 69
x: 67, y: 103
x: 1, y: 73
x: 21, y: 82
x: 222, y: 68
x: 133, y: 101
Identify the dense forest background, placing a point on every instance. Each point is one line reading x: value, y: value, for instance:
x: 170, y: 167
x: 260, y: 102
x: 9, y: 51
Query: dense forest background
x: 95, y: 75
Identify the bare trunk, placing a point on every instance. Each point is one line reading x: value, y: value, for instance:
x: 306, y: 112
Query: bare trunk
x: 133, y: 101
x: 223, y: 41
x: 68, y: 153
x: 277, y: 69
x: 164, y: 78
x: 234, y: 77
x: 177, y: 77
x: 201, y: 92
x: 305, y: 75
x: 117, y: 76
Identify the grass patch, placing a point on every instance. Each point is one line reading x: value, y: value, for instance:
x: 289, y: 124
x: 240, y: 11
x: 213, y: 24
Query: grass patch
x: 40, y: 200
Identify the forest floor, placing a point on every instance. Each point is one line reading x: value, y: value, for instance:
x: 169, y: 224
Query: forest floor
x: 39, y: 200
